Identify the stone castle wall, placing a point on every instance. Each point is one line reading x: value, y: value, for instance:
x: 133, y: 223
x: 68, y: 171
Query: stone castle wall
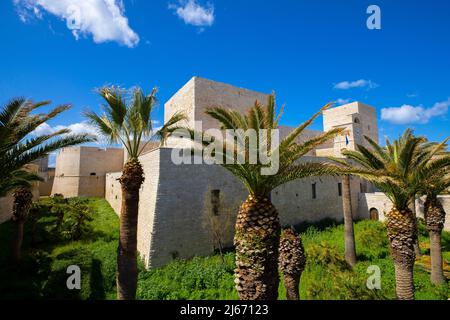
x: 6, y: 207
x: 171, y: 211
x: 383, y: 205
x: 81, y: 171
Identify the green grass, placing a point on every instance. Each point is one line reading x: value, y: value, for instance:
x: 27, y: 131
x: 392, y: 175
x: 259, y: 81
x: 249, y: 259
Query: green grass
x: 43, y: 271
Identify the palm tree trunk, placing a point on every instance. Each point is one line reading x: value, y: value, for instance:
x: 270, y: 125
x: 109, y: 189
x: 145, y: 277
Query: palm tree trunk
x: 437, y: 273
x: 256, y: 239
x: 17, y: 239
x: 23, y: 199
x: 292, y: 284
x: 404, y: 281
x: 127, y: 272
x: 435, y: 220
x: 350, y: 247
x: 417, y: 250
x: 402, y: 229
x: 292, y: 262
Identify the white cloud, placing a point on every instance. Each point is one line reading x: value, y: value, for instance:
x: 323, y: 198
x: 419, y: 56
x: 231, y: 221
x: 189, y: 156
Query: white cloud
x: 105, y: 20
x: 191, y: 12
x: 407, y: 114
x: 79, y: 128
x: 75, y: 128
x: 341, y: 101
x: 43, y: 129
x: 345, y: 85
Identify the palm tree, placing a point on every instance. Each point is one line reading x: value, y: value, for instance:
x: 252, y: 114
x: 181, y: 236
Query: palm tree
x: 23, y: 199
x: 19, y: 147
x: 349, y: 232
x: 127, y: 120
x: 433, y: 178
x: 391, y: 169
x: 292, y: 262
x: 257, y: 232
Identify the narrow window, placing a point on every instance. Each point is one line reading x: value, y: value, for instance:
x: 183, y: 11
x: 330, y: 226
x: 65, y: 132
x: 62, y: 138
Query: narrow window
x: 93, y: 174
x: 215, y: 201
x: 314, y: 193
x: 340, y: 189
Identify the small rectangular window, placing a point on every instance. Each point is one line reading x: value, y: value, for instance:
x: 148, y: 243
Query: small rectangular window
x: 93, y: 174
x: 362, y: 187
x: 314, y: 191
x: 340, y: 189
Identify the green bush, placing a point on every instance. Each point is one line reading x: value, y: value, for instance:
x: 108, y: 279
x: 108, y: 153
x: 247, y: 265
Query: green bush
x: 75, y: 221
x: 371, y: 240
x: 325, y: 255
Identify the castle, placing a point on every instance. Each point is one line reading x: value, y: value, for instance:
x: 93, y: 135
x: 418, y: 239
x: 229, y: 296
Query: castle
x: 174, y: 197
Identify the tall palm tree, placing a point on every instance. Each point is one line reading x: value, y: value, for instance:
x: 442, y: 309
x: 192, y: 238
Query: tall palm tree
x: 349, y: 232
x: 19, y: 147
x: 433, y: 178
x: 349, y: 229
x: 391, y: 169
x: 257, y: 232
x: 127, y: 120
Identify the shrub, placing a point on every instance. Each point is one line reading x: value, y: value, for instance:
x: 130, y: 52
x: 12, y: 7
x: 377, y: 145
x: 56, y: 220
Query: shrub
x: 371, y: 240
x: 326, y: 255
x: 74, y: 224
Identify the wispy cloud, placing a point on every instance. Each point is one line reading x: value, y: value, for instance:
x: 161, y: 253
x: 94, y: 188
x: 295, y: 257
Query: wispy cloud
x: 341, y: 101
x: 105, y: 20
x: 407, y: 114
x: 193, y: 13
x: 345, y: 85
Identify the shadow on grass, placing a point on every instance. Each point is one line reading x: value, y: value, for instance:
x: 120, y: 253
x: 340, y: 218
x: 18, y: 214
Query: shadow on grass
x: 319, y: 226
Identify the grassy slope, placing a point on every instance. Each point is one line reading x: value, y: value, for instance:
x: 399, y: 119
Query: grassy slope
x: 43, y: 273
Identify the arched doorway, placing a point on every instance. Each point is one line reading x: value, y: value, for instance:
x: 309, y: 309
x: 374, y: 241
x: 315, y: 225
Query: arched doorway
x: 374, y: 215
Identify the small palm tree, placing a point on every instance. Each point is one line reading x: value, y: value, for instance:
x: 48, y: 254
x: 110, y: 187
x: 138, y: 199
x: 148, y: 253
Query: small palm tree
x: 391, y: 169
x: 257, y: 232
x: 18, y: 148
x: 23, y: 199
x: 433, y: 178
x: 292, y: 262
x: 128, y: 121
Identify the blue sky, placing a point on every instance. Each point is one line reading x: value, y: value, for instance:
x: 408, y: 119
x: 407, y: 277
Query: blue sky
x: 310, y: 52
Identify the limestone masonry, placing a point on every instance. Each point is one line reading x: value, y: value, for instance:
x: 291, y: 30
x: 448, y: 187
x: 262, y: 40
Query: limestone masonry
x: 175, y: 198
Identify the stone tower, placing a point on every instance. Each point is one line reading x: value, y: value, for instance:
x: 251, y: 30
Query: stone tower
x: 358, y: 119
x: 199, y: 94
